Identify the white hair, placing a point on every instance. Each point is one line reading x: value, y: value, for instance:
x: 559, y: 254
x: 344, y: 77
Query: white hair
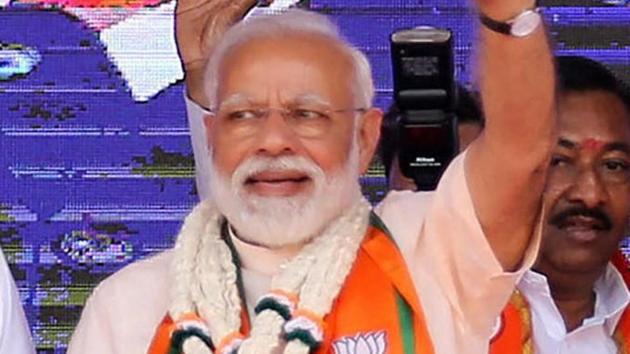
x: 278, y: 26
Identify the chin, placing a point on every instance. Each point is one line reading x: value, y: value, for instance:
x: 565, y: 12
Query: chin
x: 578, y: 261
x: 277, y: 222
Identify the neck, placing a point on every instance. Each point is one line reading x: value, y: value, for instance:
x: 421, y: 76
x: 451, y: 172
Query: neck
x: 261, y: 259
x: 572, y: 292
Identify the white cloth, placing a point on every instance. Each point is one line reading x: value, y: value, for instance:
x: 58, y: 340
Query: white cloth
x: 595, y: 333
x: 143, y: 48
x: 15, y: 337
x: 461, y: 285
x: 199, y: 141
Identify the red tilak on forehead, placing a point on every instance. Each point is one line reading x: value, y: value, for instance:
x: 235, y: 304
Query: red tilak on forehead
x: 592, y: 144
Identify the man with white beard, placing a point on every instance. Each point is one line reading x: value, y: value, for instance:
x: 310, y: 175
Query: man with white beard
x: 284, y: 255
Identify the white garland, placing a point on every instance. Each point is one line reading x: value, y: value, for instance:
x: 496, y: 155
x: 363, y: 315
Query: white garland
x: 206, y: 278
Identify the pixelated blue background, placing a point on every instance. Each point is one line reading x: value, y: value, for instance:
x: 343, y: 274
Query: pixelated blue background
x: 91, y: 179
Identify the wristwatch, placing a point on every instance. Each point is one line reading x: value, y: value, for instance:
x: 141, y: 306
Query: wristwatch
x: 522, y: 25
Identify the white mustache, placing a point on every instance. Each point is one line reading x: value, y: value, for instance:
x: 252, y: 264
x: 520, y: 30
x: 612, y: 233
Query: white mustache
x: 258, y: 164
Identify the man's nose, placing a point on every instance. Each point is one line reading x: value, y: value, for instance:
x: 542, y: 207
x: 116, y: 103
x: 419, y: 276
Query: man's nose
x: 275, y: 136
x: 589, y: 189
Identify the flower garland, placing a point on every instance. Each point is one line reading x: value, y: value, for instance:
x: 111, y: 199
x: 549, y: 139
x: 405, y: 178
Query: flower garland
x: 300, y: 296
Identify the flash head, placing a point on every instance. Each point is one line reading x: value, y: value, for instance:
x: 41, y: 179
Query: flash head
x: 423, y: 68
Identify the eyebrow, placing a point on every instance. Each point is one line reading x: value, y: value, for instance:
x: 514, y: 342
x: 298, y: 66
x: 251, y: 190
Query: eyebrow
x: 566, y: 143
x: 617, y: 146
x: 614, y: 146
x: 235, y: 99
x: 310, y: 98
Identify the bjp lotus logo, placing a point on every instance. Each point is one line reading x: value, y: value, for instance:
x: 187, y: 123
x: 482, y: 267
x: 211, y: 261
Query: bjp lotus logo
x: 362, y: 343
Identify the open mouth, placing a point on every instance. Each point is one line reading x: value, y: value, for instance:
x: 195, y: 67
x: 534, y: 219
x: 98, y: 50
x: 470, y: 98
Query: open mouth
x: 278, y: 183
x: 583, y: 222
x: 583, y: 228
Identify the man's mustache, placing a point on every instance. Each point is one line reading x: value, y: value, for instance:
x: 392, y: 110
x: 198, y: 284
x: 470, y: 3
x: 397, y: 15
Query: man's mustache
x: 560, y: 218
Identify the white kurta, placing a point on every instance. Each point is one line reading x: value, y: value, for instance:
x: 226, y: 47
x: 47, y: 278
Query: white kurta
x: 461, y: 285
x: 15, y: 337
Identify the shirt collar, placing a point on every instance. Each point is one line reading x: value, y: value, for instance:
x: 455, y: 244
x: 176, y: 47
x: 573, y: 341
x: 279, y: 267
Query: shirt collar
x: 611, y: 295
x: 612, y: 298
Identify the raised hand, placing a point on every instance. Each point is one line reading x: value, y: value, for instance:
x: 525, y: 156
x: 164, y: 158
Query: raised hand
x: 198, y: 26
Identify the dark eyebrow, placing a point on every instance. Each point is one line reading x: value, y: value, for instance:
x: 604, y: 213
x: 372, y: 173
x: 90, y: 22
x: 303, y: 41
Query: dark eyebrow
x: 617, y: 146
x: 566, y: 143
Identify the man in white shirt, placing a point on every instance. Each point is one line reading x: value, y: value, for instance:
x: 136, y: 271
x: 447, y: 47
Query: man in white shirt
x: 290, y: 127
x: 574, y: 299
x: 15, y: 336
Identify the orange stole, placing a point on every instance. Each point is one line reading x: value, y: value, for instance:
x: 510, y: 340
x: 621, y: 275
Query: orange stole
x: 368, y: 303
x: 515, y: 335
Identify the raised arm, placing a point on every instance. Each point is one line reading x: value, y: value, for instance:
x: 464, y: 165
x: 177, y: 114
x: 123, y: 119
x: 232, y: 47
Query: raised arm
x: 505, y: 167
x: 198, y: 25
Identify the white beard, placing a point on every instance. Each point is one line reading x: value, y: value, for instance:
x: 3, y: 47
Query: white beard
x: 281, y: 221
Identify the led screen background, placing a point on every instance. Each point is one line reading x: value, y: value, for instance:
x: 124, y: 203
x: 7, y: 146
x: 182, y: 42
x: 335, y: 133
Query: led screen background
x: 96, y: 168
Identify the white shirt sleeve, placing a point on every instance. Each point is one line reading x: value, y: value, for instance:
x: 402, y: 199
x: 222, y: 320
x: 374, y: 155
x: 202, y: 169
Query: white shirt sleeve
x: 123, y: 312
x: 461, y: 285
x: 15, y: 337
x: 196, y: 115
x: 94, y: 333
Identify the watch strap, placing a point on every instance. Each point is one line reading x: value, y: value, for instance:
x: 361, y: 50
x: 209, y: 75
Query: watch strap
x: 519, y: 26
x: 494, y: 25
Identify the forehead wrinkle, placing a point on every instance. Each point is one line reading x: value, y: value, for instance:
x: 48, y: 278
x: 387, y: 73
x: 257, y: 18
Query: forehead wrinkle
x: 302, y: 91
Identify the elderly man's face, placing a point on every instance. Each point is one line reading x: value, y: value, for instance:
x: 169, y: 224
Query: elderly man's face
x: 588, y: 188
x: 306, y: 73
x: 285, y: 126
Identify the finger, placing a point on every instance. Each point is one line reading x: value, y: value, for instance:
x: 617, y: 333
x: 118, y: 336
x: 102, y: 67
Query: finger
x: 234, y: 9
x: 209, y: 6
x: 227, y: 16
x: 239, y: 8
